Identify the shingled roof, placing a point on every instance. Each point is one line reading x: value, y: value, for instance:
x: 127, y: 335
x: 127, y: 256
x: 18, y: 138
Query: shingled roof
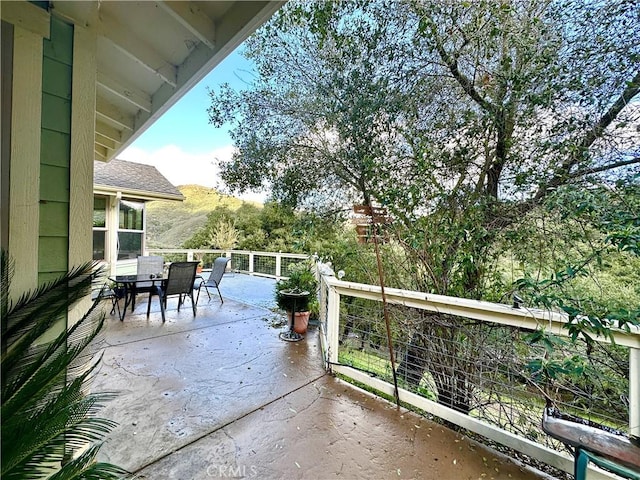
x: 133, y: 179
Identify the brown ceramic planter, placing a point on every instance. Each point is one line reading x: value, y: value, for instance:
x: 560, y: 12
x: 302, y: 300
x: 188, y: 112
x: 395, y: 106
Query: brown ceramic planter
x: 301, y: 323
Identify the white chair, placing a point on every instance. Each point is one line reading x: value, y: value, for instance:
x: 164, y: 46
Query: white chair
x: 147, y: 265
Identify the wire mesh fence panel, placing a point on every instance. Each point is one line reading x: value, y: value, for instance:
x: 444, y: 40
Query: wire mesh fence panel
x: 207, y: 259
x: 287, y: 262
x: 265, y: 264
x: 240, y: 262
x: 174, y: 257
x: 362, y: 341
x: 502, y: 375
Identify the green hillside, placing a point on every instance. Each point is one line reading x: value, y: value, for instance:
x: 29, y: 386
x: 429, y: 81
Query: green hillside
x: 169, y: 223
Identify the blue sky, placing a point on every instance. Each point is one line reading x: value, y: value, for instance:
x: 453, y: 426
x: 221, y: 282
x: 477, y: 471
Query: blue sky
x: 182, y: 144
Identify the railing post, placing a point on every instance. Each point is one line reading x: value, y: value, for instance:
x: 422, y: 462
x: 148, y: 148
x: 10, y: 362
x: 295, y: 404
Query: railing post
x: 278, y: 265
x: 333, y: 325
x: 634, y: 391
x: 322, y: 299
x: 190, y: 256
x: 229, y: 268
x: 251, y: 267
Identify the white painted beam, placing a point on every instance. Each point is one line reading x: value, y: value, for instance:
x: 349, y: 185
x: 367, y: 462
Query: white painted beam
x: 24, y: 181
x: 79, y: 12
x: 109, y: 111
x: 137, y: 49
x: 333, y: 333
x: 634, y: 392
x: 81, y: 161
x: 26, y: 16
x: 101, y: 153
x: 105, y: 141
x: 131, y: 94
x: 239, y: 22
x: 108, y: 131
x: 189, y: 15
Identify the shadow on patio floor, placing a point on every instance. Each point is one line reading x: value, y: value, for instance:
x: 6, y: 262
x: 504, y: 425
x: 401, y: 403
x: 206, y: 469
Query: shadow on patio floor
x: 220, y: 396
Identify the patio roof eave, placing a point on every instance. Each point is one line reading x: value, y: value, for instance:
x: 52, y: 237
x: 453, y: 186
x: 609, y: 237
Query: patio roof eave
x: 139, y: 194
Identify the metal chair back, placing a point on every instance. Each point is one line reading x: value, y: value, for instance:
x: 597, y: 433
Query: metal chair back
x: 179, y: 282
x: 215, y: 277
x: 219, y: 267
x: 181, y: 277
x: 151, y: 265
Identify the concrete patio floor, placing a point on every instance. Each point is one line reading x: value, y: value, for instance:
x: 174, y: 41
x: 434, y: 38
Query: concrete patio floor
x: 221, y: 396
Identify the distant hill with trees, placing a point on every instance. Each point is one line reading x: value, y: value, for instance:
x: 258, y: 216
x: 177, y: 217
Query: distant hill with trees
x: 170, y: 224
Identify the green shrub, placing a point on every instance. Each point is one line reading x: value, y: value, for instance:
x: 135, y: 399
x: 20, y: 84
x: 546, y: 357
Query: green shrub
x: 301, y: 279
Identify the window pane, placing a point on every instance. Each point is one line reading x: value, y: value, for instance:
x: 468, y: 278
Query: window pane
x: 99, y: 211
x: 131, y: 215
x: 130, y: 245
x: 98, y: 244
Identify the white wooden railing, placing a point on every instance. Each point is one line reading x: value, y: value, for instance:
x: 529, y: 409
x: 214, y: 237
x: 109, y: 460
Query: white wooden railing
x: 267, y: 264
x: 333, y: 293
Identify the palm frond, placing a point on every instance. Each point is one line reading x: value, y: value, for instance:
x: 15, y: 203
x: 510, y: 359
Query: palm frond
x: 66, y: 420
x: 36, y: 312
x: 84, y: 467
x: 43, y: 372
x: 45, y: 412
x: 6, y: 273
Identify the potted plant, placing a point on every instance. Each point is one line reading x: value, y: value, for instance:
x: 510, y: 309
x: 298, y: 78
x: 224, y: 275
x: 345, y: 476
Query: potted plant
x: 198, y: 257
x: 301, y: 279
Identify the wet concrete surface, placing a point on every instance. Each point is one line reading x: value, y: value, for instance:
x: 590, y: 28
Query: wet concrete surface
x: 221, y: 396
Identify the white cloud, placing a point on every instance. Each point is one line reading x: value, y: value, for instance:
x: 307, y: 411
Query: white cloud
x: 183, y: 168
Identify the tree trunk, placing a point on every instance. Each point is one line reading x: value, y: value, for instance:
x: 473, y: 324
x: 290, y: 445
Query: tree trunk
x: 413, y: 365
x: 436, y: 347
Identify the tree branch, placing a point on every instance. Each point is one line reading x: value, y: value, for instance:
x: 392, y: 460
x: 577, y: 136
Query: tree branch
x: 595, y: 132
x: 604, y: 168
x: 465, y: 83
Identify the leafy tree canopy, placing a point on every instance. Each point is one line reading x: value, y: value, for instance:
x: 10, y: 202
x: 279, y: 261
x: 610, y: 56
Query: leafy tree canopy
x: 464, y: 119
x: 487, y: 129
x: 275, y: 227
x: 414, y: 104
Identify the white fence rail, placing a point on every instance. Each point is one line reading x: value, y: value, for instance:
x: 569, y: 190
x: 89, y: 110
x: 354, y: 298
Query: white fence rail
x: 348, y: 335
x: 268, y: 264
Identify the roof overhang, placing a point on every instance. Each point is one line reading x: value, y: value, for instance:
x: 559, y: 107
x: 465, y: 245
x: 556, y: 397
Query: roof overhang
x: 149, y: 54
x: 133, y: 193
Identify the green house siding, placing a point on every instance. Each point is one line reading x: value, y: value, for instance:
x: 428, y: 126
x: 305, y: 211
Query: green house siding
x: 57, y: 63
x: 58, y: 148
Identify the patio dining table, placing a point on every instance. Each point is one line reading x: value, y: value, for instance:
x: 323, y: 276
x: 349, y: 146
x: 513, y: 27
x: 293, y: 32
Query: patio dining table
x: 130, y: 285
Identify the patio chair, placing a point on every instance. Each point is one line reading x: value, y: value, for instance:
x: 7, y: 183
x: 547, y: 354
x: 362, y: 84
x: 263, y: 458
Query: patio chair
x: 114, y: 294
x: 147, y: 265
x: 179, y: 282
x: 215, y: 277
